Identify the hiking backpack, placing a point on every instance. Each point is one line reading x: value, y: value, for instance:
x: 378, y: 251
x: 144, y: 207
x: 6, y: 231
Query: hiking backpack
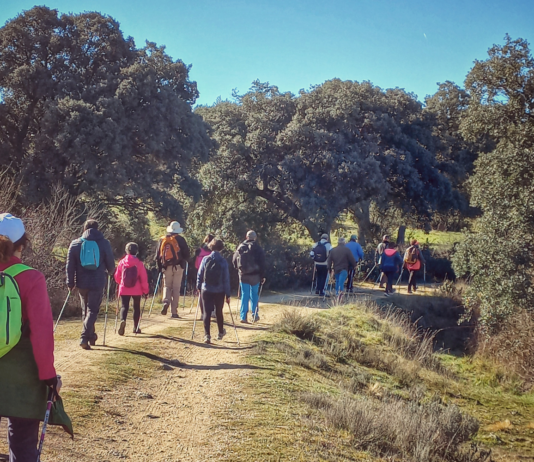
x: 246, y: 261
x: 89, y: 254
x: 169, y: 251
x: 213, y: 272
x: 129, y: 276
x: 10, y: 308
x: 412, y: 255
x: 319, y: 253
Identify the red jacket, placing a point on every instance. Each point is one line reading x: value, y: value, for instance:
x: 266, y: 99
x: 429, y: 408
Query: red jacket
x: 36, y: 311
x: 141, y: 286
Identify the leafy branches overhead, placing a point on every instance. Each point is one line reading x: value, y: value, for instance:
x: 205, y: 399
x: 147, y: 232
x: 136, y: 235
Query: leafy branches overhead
x: 80, y: 104
x: 333, y: 148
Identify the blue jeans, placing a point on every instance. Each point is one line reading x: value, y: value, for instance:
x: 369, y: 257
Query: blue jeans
x: 248, y: 292
x: 341, y: 277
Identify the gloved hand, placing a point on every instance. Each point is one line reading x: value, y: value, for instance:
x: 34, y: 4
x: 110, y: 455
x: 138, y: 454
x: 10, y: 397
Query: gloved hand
x: 55, y: 384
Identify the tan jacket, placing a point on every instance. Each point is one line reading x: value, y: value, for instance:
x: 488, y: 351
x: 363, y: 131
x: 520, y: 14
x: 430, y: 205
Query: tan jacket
x: 340, y: 258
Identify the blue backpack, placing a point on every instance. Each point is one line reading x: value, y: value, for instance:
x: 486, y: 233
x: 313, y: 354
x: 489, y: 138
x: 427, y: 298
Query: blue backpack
x: 89, y: 255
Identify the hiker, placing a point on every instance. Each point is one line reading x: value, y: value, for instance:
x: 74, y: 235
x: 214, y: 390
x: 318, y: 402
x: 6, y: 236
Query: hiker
x: 200, y: 253
x: 413, y: 257
x: 391, y: 263
x: 319, y: 253
x: 132, y: 278
x: 88, y: 260
x: 26, y: 346
x: 357, y: 252
x: 213, y: 281
x: 340, y: 258
x: 378, y: 254
x: 172, y: 255
x: 249, y: 260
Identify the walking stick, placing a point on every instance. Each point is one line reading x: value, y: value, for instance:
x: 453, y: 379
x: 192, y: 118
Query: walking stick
x: 141, y: 317
x: 193, y: 302
x: 49, y: 404
x: 399, y: 280
x: 255, y: 314
x: 195, y: 320
x: 62, y: 309
x: 185, y: 286
x: 233, y: 322
x: 313, y: 278
x: 155, y: 292
x: 117, y: 310
x: 369, y: 274
x: 106, y: 316
x: 424, y: 277
x: 326, y: 285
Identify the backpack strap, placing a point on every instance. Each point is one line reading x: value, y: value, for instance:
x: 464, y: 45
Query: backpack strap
x: 14, y: 270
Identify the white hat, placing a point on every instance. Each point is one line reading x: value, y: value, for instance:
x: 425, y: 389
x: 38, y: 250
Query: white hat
x: 174, y: 228
x: 11, y: 226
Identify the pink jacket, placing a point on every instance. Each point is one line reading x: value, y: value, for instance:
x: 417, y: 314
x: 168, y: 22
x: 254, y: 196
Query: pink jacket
x: 203, y: 253
x: 37, y: 312
x: 141, y: 286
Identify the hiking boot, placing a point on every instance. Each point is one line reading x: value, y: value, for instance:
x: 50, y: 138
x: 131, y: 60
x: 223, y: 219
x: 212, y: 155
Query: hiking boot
x: 243, y: 321
x: 380, y: 286
x: 221, y: 334
x: 409, y: 291
x: 138, y: 331
x: 85, y: 345
x: 175, y: 316
x: 122, y: 327
x: 207, y: 339
x: 93, y: 341
x: 256, y: 318
x: 165, y: 309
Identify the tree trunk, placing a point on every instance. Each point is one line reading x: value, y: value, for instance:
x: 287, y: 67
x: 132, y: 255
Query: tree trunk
x: 361, y: 213
x: 401, y: 235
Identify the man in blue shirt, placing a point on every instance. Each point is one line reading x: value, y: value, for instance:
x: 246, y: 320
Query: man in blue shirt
x: 357, y: 251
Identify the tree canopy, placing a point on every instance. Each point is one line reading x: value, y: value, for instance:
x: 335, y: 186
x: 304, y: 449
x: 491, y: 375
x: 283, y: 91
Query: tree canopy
x: 81, y: 106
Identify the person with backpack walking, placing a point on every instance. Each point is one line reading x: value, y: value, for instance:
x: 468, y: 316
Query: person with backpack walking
x: 391, y: 263
x: 132, y: 278
x: 340, y: 259
x: 413, y: 257
x: 27, y: 373
x: 172, y: 254
x: 378, y: 257
x: 213, y: 282
x: 90, y: 262
x: 319, y: 253
x: 249, y: 260
x: 200, y: 253
x: 357, y: 252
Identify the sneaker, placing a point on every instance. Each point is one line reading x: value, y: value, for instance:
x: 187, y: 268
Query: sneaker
x: 381, y: 286
x: 175, y: 316
x: 93, y: 341
x: 207, y: 339
x: 85, y: 345
x: 243, y: 321
x: 386, y: 294
x: 138, y: 331
x: 409, y: 291
x: 122, y: 327
x: 256, y: 318
x: 165, y: 309
x: 221, y: 334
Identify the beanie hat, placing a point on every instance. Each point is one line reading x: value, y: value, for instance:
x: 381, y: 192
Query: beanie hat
x: 341, y: 240
x: 11, y: 227
x: 324, y: 236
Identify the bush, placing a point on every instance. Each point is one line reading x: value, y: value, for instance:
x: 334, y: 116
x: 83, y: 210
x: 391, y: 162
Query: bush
x: 294, y: 323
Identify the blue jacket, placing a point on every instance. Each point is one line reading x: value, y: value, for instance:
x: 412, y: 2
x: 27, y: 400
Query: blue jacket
x: 356, y: 250
x: 391, y: 261
x: 224, y: 285
x: 84, y: 278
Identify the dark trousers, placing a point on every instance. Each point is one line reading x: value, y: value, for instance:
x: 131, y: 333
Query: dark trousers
x: 212, y: 301
x: 91, y: 300
x: 125, y: 300
x: 412, y: 281
x: 389, y: 284
x: 320, y: 277
x: 22, y: 436
x: 350, y: 277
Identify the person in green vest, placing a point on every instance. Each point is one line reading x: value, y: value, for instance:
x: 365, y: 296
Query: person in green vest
x: 27, y: 373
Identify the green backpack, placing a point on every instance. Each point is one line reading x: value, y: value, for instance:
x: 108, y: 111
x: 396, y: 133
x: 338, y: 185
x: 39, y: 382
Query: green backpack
x: 10, y: 308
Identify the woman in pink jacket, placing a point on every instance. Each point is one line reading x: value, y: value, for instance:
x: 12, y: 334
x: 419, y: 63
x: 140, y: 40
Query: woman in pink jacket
x: 133, y: 283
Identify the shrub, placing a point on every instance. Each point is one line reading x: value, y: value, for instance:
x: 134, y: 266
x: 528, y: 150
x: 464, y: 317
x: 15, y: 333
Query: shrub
x: 294, y: 323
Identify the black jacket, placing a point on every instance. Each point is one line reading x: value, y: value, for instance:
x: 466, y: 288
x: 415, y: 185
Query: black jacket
x: 259, y: 258
x: 185, y: 253
x: 83, y: 278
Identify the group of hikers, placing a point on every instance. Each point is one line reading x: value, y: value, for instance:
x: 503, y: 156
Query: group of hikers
x: 339, y: 264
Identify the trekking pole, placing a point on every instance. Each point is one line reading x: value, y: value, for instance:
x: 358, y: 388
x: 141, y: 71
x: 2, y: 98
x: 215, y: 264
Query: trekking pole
x: 155, y: 292
x: 62, y: 309
x: 255, y: 314
x: 106, y: 316
x: 195, y: 320
x: 369, y: 274
x: 49, y: 404
x: 326, y: 285
x: 424, y: 277
x: 117, y: 310
x: 399, y: 280
x: 185, y: 286
x: 378, y: 279
x: 141, y: 317
x: 233, y: 322
x: 313, y: 278
x: 192, y: 303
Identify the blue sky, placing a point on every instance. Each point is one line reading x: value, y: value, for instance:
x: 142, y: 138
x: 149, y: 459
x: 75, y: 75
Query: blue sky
x: 295, y: 43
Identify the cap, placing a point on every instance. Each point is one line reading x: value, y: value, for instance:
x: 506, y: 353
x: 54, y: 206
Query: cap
x: 324, y: 236
x: 354, y: 237
x: 11, y: 226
